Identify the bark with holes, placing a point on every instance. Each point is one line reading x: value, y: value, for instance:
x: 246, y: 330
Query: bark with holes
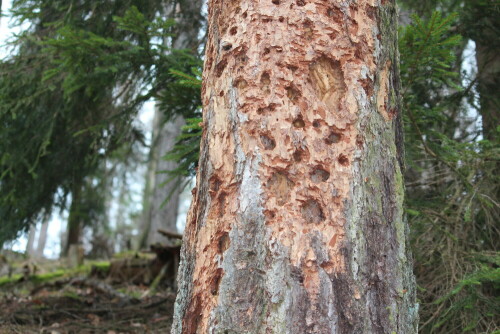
x: 297, y: 220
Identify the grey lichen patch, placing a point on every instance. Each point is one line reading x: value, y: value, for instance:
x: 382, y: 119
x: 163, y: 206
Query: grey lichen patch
x: 280, y: 186
x: 319, y: 175
x: 312, y: 212
x: 244, y: 262
x: 327, y: 79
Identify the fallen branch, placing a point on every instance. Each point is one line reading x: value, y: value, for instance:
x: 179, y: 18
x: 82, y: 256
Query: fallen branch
x: 170, y: 234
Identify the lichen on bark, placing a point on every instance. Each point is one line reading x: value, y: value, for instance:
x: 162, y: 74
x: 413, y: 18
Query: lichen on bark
x: 297, y: 222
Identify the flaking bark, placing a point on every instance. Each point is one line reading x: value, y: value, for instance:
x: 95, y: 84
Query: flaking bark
x: 297, y: 223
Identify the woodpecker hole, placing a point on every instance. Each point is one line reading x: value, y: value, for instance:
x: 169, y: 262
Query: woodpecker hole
x: 299, y: 123
x: 312, y: 212
x: 319, y: 175
x: 268, y: 142
x: 343, y: 160
x: 333, y: 138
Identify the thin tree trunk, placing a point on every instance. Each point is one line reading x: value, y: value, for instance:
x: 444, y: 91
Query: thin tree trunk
x: 42, y: 238
x: 165, y: 201
x: 30, y: 246
x: 145, y: 223
x: 162, y: 208
x: 74, y: 219
x: 297, y: 222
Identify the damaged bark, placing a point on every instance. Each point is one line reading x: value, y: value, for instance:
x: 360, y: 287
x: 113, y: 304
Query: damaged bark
x: 297, y: 220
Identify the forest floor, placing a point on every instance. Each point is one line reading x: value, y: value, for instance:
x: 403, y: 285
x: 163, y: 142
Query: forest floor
x: 122, y: 296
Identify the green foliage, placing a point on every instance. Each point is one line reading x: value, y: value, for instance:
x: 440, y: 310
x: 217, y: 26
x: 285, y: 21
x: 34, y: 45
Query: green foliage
x: 186, y: 150
x: 473, y: 295
x: 85, y: 269
x: 451, y: 184
x: 71, y: 92
x: 4, y: 280
x: 427, y: 51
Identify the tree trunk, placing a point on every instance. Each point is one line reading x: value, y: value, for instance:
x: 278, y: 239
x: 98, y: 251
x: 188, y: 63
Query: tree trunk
x: 480, y: 24
x: 164, y: 202
x: 145, y: 223
x: 297, y: 222
x: 162, y: 207
x: 42, y: 238
x: 74, y: 220
x: 488, y: 64
x: 30, y: 245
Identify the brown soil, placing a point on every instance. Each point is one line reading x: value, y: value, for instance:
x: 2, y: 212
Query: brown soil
x: 84, y: 310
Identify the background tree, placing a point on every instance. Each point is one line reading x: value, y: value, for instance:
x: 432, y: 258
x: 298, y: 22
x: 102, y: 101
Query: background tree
x: 162, y: 192
x: 451, y: 181
x: 70, y: 95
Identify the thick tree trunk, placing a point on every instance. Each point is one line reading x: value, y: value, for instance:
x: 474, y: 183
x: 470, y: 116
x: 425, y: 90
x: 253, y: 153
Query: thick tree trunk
x: 297, y: 221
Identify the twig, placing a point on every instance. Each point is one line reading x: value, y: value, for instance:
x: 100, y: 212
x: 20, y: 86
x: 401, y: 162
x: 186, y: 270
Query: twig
x: 156, y: 281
